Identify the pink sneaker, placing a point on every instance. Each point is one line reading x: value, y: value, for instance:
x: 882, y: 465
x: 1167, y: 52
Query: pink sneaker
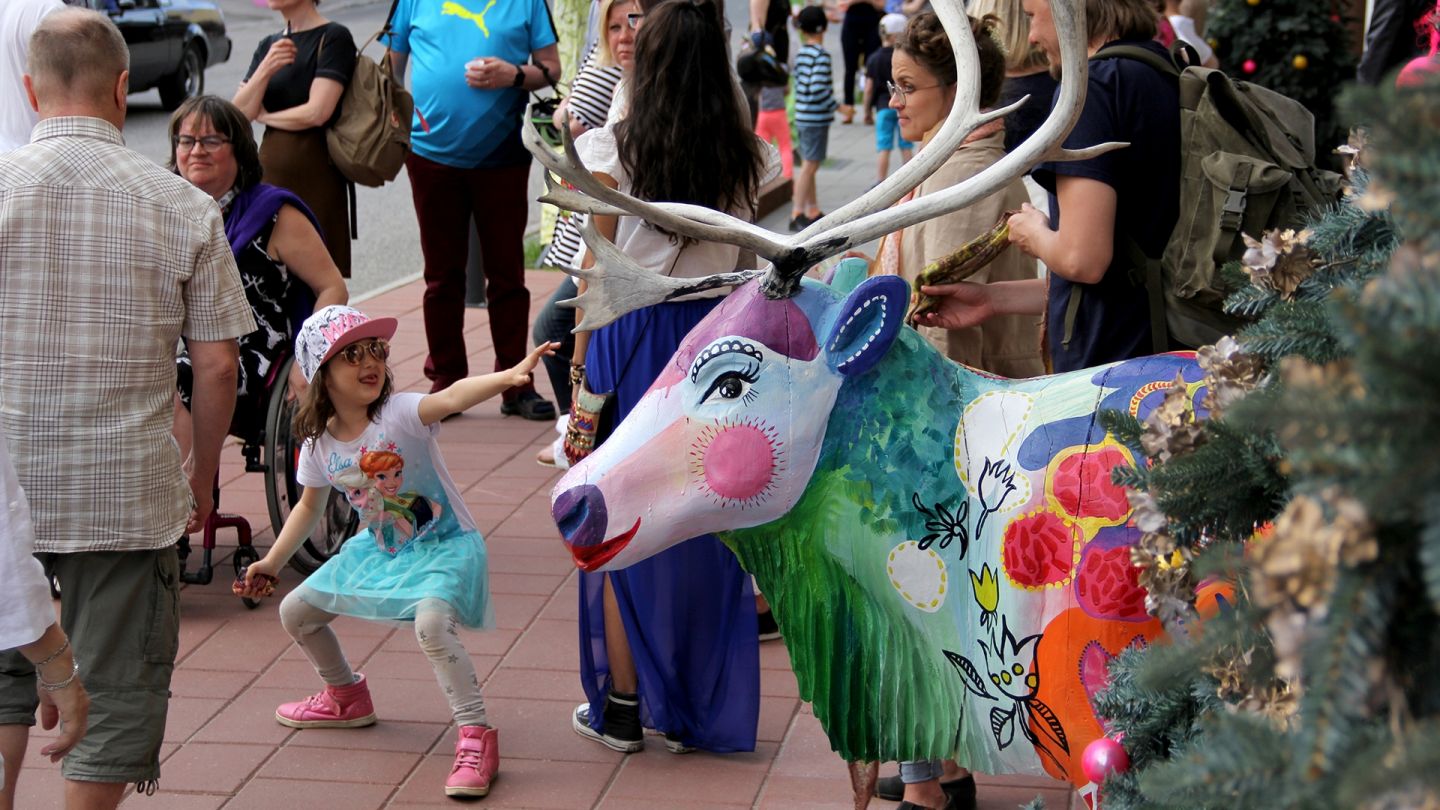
x: 334, y: 707
x: 477, y: 759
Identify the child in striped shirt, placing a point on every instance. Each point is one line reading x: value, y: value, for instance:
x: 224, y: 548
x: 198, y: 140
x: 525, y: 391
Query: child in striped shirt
x: 815, y: 106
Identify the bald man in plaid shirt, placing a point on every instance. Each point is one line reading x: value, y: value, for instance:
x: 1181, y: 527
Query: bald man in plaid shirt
x: 106, y: 261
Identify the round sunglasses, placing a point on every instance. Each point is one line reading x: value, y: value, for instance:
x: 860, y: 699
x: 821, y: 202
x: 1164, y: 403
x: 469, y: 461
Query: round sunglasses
x: 355, y: 352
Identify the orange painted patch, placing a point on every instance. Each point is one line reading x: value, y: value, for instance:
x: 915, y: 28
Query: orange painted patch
x: 1057, y: 660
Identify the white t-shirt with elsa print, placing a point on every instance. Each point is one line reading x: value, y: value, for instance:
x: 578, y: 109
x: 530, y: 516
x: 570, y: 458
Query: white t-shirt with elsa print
x: 393, y: 474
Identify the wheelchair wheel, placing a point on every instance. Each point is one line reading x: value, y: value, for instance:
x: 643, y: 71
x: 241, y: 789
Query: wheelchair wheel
x: 282, y: 456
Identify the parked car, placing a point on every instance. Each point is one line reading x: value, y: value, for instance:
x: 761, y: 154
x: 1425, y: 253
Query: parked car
x: 171, y: 43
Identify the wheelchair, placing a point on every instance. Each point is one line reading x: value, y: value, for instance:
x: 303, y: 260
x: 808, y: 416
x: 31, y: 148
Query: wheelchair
x: 273, y: 450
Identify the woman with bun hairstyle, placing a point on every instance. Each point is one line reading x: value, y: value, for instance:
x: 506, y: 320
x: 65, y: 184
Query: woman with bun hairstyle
x: 924, y: 82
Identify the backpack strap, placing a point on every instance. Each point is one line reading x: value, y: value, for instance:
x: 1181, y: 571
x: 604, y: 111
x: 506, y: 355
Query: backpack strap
x: 1150, y: 273
x: 1182, y: 55
x: 1144, y: 270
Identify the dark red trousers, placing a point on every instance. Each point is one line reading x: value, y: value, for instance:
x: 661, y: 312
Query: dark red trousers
x: 447, y: 199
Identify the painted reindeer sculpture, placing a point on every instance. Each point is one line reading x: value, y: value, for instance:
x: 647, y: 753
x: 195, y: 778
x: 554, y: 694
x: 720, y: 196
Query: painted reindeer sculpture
x: 943, y: 549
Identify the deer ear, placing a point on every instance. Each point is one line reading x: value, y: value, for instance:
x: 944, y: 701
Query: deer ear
x: 867, y: 324
x: 847, y: 274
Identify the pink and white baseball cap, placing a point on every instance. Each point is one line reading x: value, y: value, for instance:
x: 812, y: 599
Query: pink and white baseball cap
x: 333, y: 328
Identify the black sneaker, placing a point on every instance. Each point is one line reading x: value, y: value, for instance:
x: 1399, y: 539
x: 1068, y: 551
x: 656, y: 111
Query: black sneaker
x: 798, y: 223
x: 675, y: 745
x: 529, y: 405
x: 619, y: 731
x: 769, y: 630
x: 960, y: 793
x: 889, y: 788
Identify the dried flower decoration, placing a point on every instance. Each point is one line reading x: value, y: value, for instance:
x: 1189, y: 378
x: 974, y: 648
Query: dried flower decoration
x: 1279, y: 260
x: 1230, y: 374
x: 1172, y: 429
x: 1296, y: 567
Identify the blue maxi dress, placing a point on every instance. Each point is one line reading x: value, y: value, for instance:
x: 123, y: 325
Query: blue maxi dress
x: 689, y: 611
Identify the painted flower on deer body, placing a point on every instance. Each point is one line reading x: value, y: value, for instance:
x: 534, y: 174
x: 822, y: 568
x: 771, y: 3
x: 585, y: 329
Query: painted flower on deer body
x: 1040, y: 550
x: 1010, y: 662
x: 986, y: 589
x: 996, y: 484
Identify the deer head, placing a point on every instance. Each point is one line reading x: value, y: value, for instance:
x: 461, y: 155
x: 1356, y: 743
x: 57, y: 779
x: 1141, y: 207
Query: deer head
x: 616, y: 285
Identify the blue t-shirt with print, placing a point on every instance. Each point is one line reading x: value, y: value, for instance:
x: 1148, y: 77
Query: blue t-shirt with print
x: 1131, y: 102
x: 456, y: 124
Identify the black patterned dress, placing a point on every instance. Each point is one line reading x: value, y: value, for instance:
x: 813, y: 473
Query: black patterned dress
x: 267, y: 287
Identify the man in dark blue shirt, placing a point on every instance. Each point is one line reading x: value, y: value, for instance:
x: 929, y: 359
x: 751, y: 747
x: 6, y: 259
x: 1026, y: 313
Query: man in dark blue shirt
x: 1096, y: 311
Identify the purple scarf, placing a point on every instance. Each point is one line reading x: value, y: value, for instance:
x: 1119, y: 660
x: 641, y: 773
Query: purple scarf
x: 256, y: 207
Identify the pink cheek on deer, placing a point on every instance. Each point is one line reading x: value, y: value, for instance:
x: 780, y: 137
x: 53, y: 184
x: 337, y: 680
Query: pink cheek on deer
x: 739, y: 462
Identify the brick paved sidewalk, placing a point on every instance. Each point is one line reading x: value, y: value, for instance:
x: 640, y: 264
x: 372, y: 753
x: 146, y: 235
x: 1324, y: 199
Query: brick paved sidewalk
x: 223, y: 747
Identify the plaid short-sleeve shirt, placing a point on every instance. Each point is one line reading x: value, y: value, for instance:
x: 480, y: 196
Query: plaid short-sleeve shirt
x: 106, y: 260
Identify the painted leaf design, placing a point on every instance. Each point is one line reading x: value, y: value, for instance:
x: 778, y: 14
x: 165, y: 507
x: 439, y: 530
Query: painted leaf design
x: 1094, y: 670
x: 945, y: 514
x: 969, y: 675
x: 1057, y: 731
x: 1002, y: 725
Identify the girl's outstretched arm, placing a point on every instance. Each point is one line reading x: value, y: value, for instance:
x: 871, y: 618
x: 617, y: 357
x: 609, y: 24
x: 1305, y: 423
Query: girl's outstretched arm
x: 298, y: 526
x: 471, y: 391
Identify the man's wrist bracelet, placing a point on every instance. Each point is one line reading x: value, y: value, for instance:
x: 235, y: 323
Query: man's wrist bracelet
x: 58, y: 685
x: 54, y: 655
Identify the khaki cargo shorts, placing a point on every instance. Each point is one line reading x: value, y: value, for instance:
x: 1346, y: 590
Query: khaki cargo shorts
x: 121, y: 610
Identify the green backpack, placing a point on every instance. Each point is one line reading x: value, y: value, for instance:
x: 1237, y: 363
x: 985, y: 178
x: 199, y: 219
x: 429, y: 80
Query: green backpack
x: 1247, y: 165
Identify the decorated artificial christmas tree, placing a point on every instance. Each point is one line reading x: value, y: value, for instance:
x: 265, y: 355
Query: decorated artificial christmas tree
x: 1312, y: 485
x: 1296, y: 47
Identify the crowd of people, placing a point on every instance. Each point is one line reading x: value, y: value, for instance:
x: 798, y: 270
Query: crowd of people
x: 118, y: 388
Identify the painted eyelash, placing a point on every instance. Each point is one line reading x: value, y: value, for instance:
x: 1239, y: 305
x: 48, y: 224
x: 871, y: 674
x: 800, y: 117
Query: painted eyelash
x: 749, y: 374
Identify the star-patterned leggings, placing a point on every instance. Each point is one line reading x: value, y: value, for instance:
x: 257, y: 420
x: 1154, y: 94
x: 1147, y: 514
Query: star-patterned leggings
x: 437, y: 629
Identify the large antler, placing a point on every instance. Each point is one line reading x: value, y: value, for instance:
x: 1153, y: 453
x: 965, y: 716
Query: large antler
x: 617, y: 285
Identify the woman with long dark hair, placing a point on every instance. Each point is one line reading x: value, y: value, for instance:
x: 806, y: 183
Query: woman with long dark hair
x: 670, y: 643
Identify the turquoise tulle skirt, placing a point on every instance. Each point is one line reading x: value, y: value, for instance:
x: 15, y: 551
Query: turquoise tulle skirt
x: 368, y: 582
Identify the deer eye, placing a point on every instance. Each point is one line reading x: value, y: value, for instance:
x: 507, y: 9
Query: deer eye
x: 731, y: 384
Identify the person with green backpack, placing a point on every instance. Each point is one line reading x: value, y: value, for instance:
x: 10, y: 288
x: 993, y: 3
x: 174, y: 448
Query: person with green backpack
x: 1210, y: 160
x: 1095, y: 313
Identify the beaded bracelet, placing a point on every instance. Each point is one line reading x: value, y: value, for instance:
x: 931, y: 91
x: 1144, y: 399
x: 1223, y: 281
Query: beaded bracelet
x: 56, y: 687
x: 54, y: 655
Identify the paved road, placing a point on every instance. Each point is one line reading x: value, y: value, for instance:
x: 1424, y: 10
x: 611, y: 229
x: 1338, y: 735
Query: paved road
x: 388, y: 248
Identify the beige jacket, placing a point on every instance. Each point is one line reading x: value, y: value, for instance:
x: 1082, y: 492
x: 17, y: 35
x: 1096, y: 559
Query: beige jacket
x: 1008, y: 345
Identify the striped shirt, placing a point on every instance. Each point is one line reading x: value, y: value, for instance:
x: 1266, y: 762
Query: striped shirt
x: 592, y: 92
x: 815, y: 102
x: 108, y: 261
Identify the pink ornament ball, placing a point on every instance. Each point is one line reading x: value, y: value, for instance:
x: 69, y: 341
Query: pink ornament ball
x: 1103, y: 757
x: 1249, y: 66
x: 1419, y: 71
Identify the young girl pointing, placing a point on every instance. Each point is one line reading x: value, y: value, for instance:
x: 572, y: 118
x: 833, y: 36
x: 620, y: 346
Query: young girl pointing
x: 419, y: 558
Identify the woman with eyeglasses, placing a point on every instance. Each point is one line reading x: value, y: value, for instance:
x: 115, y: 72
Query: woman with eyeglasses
x: 922, y: 93
x: 276, y: 243
x: 293, y: 87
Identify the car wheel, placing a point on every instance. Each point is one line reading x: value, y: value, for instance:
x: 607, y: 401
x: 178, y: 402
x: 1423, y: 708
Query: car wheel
x: 186, y: 82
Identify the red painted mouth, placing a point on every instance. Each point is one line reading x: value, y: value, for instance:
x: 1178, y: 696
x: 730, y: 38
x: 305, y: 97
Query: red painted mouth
x: 590, y: 558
